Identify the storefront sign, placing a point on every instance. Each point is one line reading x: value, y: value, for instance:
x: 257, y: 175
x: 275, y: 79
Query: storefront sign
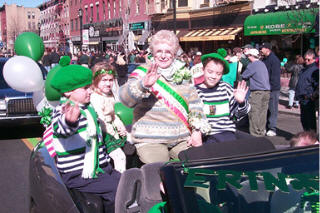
x: 136, y: 26
x: 85, y: 36
x: 109, y: 29
x: 288, y: 22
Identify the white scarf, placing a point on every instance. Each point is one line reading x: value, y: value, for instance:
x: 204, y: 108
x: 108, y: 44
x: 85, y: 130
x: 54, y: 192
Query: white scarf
x: 168, y: 73
x: 89, y: 161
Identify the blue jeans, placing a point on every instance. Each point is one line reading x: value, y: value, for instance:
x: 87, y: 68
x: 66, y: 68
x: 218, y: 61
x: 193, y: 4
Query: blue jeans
x: 273, y: 110
x: 48, y: 68
x: 291, y: 98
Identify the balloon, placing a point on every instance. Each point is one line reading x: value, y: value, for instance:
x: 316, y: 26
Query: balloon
x: 29, y: 44
x: 51, y: 93
x: 124, y: 113
x: 23, y: 74
x: 285, y: 60
x: 282, y: 64
x: 40, y: 101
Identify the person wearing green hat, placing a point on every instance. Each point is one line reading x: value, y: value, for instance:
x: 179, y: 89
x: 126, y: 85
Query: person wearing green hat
x: 222, y: 104
x: 82, y: 159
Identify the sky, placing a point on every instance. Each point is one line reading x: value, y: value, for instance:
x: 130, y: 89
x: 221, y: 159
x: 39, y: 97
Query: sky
x: 25, y: 3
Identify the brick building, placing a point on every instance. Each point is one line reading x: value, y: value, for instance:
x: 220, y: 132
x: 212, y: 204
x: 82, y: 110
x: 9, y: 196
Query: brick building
x: 54, y: 24
x: 16, y: 19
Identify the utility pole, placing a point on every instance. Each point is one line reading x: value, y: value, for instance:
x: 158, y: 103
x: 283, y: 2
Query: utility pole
x: 174, y: 16
x: 80, y: 13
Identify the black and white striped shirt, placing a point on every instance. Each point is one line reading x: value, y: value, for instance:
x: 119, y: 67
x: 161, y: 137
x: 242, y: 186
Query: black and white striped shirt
x: 220, y: 107
x: 70, y: 143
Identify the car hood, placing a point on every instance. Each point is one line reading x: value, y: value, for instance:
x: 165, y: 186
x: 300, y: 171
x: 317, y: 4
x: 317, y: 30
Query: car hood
x: 13, y: 93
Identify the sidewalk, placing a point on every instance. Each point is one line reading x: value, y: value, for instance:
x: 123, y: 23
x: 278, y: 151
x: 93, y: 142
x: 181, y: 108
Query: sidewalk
x: 284, y: 99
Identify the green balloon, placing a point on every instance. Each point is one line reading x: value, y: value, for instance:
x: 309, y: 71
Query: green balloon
x: 124, y: 113
x: 29, y: 44
x: 51, y: 93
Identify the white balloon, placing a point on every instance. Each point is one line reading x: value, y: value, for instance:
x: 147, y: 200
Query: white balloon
x: 23, y: 74
x: 40, y: 101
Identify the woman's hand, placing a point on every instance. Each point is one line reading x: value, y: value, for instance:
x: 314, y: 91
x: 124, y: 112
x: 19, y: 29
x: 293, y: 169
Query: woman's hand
x: 240, y: 92
x: 195, y: 139
x: 152, y: 76
x: 71, y: 113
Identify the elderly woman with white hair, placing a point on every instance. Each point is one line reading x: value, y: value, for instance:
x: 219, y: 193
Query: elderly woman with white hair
x: 168, y: 115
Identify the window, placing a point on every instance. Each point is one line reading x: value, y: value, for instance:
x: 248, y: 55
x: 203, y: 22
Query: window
x: 76, y: 24
x: 109, y: 10
x: 147, y: 6
x: 120, y: 6
x: 71, y: 24
x: 182, y: 3
x: 104, y: 10
x: 128, y: 9
x: 137, y: 6
x: 29, y: 15
x: 33, y: 25
x: 29, y: 25
x: 91, y: 17
x: 114, y: 8
x: 97, y: 7
x: 33, y: 15
x: 163, y: 4
x: 70, y: 2
x: 87, y: 15
x: 75, y: 2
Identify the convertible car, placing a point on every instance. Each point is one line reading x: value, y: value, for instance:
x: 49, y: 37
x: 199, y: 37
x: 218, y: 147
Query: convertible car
x: 236, y: 176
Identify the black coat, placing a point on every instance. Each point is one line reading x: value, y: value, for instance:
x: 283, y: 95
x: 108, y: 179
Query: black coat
x: 272, y: 63
x: 294, y: 69
x: 308, y: 83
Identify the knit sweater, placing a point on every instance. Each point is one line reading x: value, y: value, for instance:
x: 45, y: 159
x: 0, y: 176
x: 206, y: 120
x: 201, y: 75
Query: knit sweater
x: 224, y: 108
x: 70, y: 141
x: 153, y: 121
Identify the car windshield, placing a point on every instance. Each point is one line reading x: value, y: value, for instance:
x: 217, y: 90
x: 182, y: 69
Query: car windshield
x: 275, y: 182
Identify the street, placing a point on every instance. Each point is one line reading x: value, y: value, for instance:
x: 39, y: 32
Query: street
x: 14, y: 157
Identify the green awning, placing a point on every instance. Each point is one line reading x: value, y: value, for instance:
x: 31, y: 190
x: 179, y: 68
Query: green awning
x: 286, y: 22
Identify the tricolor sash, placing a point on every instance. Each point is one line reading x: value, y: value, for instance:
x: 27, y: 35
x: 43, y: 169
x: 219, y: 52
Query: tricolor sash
x: 163, y: 91
x: 48, y: 140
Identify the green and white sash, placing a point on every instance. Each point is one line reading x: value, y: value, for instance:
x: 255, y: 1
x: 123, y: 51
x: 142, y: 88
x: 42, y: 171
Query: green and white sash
x: 163, y: 91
